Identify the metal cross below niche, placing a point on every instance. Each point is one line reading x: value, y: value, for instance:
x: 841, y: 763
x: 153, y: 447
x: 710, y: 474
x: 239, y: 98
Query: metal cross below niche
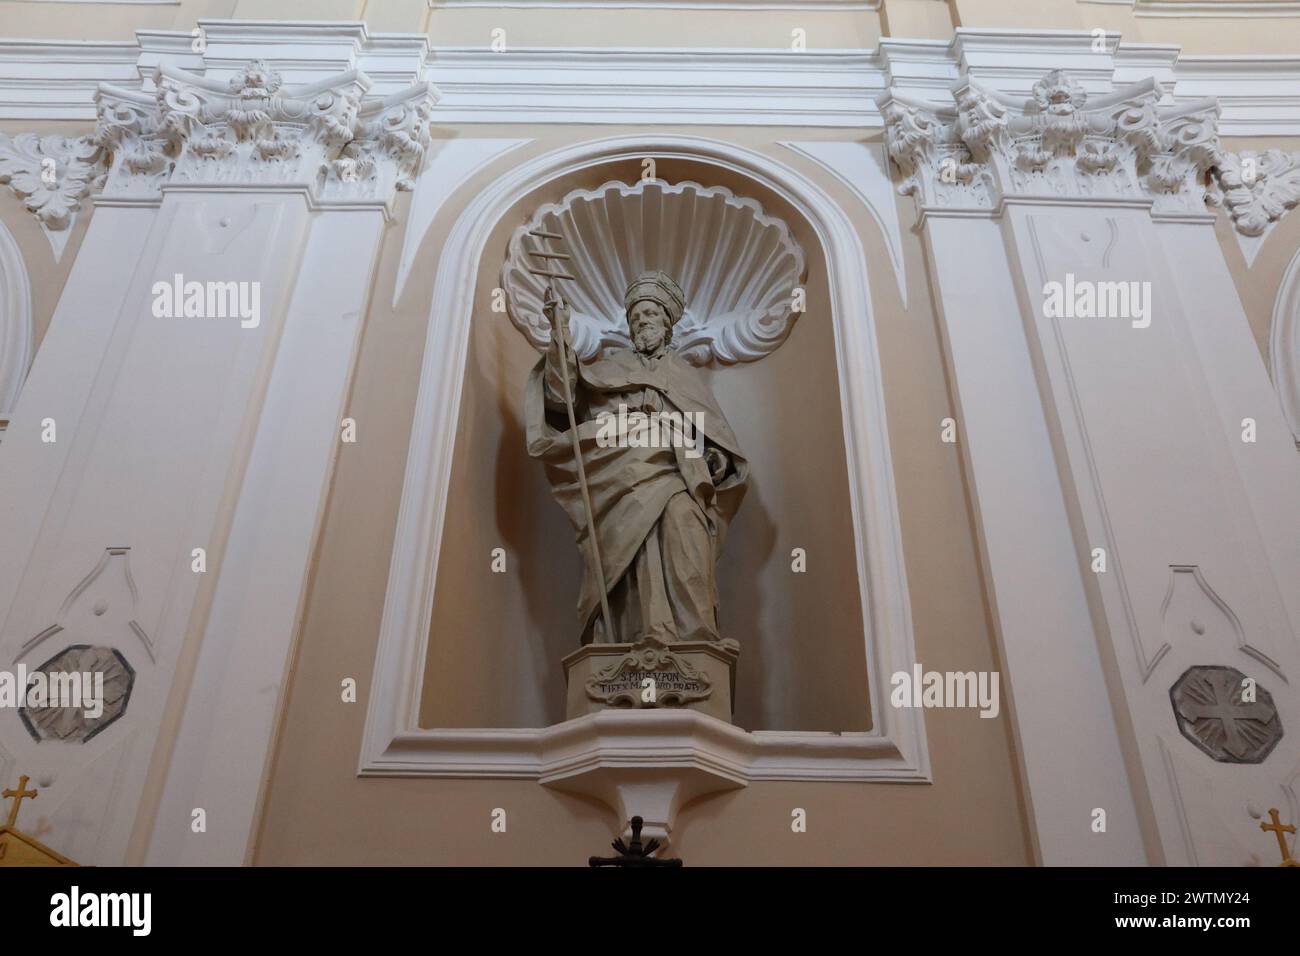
x: 634, y: 854
x: 1278, y: 828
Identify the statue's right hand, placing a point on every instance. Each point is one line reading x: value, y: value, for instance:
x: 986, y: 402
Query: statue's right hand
x: 556, y: 310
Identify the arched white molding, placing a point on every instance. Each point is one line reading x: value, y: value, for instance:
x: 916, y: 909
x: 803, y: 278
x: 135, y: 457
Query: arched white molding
x: 15, y: 321
x: 864, y: 169
x: 393, y: 742
x: 1284, y: 345
x: 450, y: 165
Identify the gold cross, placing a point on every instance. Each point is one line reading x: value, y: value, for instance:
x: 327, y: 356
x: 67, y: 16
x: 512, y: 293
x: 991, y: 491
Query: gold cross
x: 1278, y: 827
x: 22, y: 792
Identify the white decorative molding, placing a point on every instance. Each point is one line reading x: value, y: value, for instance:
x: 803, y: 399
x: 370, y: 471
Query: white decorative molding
x: 1059, y: 144
x: 57, y: 79
x: 1190, y: 603
x: 393, y: 742
x: 1258, y: 94
x: 606, y: 755
x: 249, y: 130
x: 681, y: 86
x: 1284, y: 345
x: 738, y: 266
x: 252, y: 131
x: 137, y: 3
x: 1199, y: 9
x: 15, y: 323
x: 451, y: 162
x: 864, y: 168
x: 51, y: 174
x: 115, y: 592
x: 793, y: 6
x: 1256, y: 189
x: 226, y: 738
x: 44, y: 79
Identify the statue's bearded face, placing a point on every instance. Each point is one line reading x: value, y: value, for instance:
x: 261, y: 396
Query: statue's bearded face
x: 649, y: 324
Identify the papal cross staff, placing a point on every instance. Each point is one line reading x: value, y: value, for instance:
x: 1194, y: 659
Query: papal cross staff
x: 551, y: 304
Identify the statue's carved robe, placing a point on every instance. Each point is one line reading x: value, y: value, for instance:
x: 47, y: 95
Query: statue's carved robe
x: 660, y: 520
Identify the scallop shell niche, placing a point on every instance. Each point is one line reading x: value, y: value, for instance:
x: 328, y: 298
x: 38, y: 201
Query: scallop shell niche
x: 739, y: 268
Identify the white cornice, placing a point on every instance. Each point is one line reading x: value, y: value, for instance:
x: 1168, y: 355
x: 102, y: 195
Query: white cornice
x: 637, y: 86
x: 793, y: 6
x: 57, y: 79
x: 50, y: 80
x: 1200, y: 9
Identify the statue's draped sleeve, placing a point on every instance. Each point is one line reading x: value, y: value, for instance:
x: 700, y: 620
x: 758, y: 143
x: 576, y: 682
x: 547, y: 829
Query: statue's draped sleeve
x: 553, y: 384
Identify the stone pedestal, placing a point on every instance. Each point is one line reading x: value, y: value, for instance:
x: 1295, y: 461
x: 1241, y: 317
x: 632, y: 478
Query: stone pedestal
x: 694, y: 675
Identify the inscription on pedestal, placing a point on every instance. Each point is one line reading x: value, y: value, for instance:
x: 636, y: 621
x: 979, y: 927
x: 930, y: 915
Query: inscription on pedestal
x: 691, y: 675
x: 649, y: 676
x: 669, y: 687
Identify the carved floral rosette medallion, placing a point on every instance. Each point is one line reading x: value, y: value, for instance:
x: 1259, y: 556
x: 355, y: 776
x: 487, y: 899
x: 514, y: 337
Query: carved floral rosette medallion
x: 1215, y: 713
x: 676, y: 681
x: 74, y: 723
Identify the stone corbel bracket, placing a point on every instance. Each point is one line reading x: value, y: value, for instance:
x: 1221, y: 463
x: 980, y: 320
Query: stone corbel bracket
x: 253, y: 132
x: 1058, y: 145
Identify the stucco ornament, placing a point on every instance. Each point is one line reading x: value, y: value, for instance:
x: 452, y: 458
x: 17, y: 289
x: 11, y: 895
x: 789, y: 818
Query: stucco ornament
x: 103, y: 672
x: 1257, y: 188
x: 738, y: 267
x: 1225, y: 716
x: 51, y: 175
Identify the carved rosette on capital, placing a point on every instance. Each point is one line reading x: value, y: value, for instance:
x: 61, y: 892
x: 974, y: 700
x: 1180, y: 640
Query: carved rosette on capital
x: 253, y: 131
x: 1058, y: 145
x: 1257, y: 188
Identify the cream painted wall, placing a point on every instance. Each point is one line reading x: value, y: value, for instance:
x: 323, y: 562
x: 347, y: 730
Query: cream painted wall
x: 1258, y: 283
x: 316, y: 810
x: 595, y: 26
x: 102, y: 20
x: 928, y: 19
x: 974, y: 801
x: 1196, y: 34
x: 46, y: 276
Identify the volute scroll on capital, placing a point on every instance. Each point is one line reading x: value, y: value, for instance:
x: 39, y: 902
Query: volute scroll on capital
x: 1059, y: 144
x: 254, y: 130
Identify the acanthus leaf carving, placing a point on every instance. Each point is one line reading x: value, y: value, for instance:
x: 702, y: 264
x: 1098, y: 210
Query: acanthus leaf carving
x: 253, y: 129
x: 1257, y: 188
x: 51, y: 175
x: 1058, y: 144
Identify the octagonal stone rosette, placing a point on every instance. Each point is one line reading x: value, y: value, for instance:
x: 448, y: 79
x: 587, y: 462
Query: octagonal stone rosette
x: 738, y: 266
x: 71, y: 723
x: 1210, y: 712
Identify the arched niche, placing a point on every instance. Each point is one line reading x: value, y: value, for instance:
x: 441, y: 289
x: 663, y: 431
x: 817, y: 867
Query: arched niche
x: 468, y: 678
x: 1284, y: 345
x: 15, y: 321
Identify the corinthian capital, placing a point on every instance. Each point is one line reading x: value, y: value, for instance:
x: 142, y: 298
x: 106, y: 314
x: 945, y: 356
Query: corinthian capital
x: 926, y: 144
x: 1056, y: 145
x: 253, y: 130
